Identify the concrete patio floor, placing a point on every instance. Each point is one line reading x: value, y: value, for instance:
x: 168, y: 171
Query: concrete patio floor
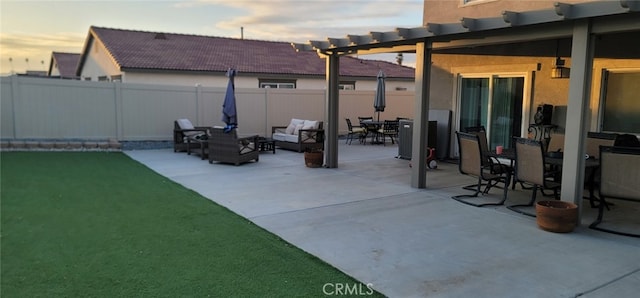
x: 365, y: 219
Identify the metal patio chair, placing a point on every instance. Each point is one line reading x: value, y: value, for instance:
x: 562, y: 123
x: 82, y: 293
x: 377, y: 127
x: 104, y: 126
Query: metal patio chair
x: 471, y: 163
x: 619, y: 177
x: 530, y: 168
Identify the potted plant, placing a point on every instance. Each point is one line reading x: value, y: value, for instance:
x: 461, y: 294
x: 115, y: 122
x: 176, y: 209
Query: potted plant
x: 313, y: 157
x: 556, y: 216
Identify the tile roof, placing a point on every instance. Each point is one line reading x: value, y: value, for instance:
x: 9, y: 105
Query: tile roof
x: 142, y: 50
x: 67, y: 63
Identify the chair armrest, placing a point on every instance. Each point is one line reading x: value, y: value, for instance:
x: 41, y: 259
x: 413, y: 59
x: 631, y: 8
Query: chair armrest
x: 248, y: 144
x: 202, y: 129
x: 253, y: 138
x: 280, y: 129
x: 311, y: 135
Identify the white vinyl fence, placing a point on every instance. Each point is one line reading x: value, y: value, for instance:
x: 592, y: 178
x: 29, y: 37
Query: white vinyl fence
x: 42, y: 108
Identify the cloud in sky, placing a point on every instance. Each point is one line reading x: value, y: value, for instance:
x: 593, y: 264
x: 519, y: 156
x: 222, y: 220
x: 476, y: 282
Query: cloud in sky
x: 33, y: 29
x: 300, y: 21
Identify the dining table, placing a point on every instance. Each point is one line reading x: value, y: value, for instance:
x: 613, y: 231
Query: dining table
x: 373, y: 126
x: 555, y: 159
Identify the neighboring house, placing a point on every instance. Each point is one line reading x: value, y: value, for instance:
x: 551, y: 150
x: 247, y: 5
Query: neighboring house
x: 180, y: 59
x: 63, y: 65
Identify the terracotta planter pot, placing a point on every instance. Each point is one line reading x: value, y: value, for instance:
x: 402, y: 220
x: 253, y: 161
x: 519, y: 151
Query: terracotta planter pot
x: 314, y: 159
x: 556, y: 216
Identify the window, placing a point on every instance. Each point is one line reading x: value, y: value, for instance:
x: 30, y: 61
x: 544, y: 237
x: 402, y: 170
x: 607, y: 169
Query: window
x: 116, y: 78
x: 620, y: 109
x: 347, y: 86
x: 494, y: 102
x: 275, y: 83
x: 103, y: 79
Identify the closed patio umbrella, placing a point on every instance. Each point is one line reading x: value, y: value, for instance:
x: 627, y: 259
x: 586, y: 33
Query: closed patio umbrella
x: 379, y: 101
x: 229, y: 113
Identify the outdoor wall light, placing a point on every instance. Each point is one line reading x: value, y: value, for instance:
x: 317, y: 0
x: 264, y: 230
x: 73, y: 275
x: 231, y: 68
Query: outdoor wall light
x: 559, y: 71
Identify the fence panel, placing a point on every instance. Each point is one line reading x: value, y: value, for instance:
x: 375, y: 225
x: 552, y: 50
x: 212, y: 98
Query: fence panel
x: 58, y: 109
x: 148, y: 111
x: 37, y: 108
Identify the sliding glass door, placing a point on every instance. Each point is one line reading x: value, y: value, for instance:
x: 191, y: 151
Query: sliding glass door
x: 494, y: 102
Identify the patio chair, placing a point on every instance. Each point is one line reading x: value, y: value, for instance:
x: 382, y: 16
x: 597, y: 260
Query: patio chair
x: 597, y: 139
x: 367, y: 118
x: 471, y: 163
x: 355, y: 130
x: 183, y: 130
x: 619, y: 176
x: 389, y: 129
x: 493, y: 164
x: 556, y: 142
x: 531, y: 168
x: 228, y: 148
x: 593, y: 142
x: 626, y: 140
x: 470, y: 129
x: 370, y: 129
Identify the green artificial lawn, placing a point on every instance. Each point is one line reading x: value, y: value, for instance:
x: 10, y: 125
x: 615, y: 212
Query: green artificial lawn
x: 97, y: 224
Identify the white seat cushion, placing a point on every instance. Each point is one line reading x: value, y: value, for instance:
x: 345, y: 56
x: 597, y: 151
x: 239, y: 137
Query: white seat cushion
x: 278, y: 136
x: 186, y: 124
x: 291, y: 138
x: 312, y: 124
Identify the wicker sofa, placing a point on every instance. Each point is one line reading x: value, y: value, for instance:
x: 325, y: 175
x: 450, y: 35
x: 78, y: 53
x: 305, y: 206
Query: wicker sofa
x: 299, y: 135
x: 228, y: 148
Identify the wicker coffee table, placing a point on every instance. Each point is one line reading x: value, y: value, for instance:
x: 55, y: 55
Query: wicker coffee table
x: 267, y: 144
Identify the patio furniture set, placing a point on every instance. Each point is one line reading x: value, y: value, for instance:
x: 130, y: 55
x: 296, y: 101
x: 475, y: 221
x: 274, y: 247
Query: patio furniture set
x: 217, y: 144
x: 612, y: 166
x: 376, y: 130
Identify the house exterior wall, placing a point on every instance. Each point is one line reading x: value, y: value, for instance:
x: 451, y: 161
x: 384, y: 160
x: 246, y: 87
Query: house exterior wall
x: 542, y: 89
x: 242, y: 81
x: 98, y: 63
x: 55, y: 71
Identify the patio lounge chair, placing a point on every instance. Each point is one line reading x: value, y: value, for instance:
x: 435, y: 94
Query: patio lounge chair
x: 228, y: 148
x: 530, y: 168
x: 619, y: 176
x: 183, y: 129
x: 471, y: 163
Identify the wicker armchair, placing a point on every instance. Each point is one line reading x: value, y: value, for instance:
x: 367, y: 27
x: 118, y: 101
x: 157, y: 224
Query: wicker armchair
x: 228, y: 148
x: 182, y: 131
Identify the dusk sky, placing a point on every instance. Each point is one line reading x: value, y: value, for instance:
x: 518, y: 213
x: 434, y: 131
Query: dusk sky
x: 33, y: 29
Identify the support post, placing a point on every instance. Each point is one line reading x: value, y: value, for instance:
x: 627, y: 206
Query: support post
x: 421, y: 115
x: 578, y: 108
x: 332, y: 105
